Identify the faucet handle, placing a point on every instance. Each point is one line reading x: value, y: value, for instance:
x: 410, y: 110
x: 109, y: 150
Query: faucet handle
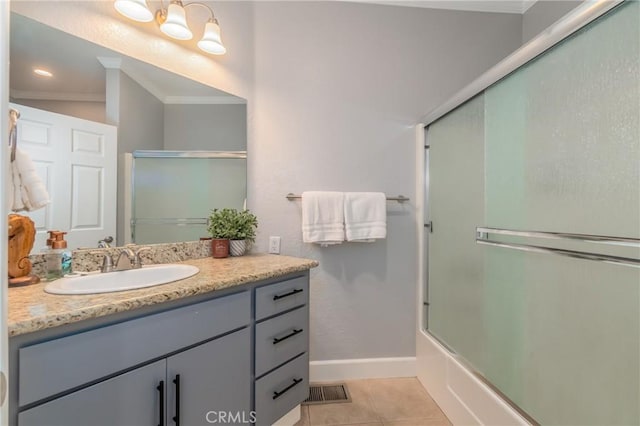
x: 138, y: 260
x: 107, y: 260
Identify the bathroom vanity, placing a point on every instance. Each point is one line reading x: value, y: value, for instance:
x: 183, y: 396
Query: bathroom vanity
x: 228, y: 345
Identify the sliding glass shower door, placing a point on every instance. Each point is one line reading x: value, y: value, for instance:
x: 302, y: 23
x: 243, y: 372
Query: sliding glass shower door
x: 545, y: 165
x: 174, y: 192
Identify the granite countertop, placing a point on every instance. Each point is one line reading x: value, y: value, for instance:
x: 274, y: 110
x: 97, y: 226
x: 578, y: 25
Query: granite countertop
x: 31, y: 309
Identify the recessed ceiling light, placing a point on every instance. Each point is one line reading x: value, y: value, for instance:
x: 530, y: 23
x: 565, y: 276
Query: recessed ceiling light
x: 42, y: 73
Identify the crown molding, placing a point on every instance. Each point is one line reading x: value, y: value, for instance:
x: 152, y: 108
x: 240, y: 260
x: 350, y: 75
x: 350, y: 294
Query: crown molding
x: 110, y: 63
x: 495, y: 6
x: 526, y: 4
x: 57, y: 96
x: 116, y: 63
x: 204, y: 100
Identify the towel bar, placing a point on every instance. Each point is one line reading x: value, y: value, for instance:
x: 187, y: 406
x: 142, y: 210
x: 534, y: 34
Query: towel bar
x: 400, y: 198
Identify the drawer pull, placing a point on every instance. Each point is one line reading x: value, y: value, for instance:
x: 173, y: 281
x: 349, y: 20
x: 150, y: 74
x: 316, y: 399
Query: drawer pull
x: 277, y: 395
x: 291, y: 293
x: 160, y: 389
x: 293, y: 333
x: 176, y: 418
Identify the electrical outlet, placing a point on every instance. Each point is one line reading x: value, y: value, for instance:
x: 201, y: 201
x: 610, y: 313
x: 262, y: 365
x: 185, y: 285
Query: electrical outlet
x: 274, y: 245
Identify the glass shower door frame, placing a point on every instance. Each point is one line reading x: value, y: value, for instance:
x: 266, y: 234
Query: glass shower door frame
x: 207, y: 155
x: 582, y: 16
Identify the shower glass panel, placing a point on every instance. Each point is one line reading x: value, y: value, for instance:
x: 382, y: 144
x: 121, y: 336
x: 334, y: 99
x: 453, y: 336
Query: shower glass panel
x: 560, y: 152
x: 172, y: 197
x: 456, y: 206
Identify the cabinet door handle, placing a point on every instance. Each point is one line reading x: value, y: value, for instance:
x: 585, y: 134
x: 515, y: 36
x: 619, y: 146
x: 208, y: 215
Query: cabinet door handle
x: 277, y: 394
x: 176, y: 418
x: 160, y: 388
x: 291, y: 293
x: 293, y: 333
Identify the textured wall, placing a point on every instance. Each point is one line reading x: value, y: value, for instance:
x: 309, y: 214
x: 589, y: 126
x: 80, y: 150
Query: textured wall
x: 205, y: 127
x: 544, y: 13
x: 339, y: 89
x: 140, y: 116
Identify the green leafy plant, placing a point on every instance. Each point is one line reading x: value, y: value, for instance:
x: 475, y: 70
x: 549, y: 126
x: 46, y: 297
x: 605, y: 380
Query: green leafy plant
x: 233, y: 224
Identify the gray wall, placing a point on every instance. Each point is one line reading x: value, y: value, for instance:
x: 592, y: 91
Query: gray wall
x: 205, y: 127
x: 544, y: 13
x: 339, y: 88
x: 138, y: 115
x: 94, y: 111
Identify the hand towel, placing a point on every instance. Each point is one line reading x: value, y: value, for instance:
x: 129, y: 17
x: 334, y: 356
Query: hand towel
x: 365, y: 216
x: 29, y: 192
x: 323, y: 217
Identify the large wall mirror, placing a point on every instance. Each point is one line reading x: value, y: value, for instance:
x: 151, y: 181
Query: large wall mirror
x: 125, y: 149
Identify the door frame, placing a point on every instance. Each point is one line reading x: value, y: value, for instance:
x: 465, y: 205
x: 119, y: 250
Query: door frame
x: 4, y: 168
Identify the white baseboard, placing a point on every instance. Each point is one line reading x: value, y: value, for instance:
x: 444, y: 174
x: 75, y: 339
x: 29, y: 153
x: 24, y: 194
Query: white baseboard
x: 289, y: 419
x: 367, y: 368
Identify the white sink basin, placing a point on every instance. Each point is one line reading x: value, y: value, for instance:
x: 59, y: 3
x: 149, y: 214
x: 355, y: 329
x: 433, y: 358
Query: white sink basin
x: 146, y: 276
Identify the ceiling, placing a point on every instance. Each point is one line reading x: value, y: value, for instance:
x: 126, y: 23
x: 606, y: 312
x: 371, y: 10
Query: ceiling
x: 79, y: 70
x: 499, y: 6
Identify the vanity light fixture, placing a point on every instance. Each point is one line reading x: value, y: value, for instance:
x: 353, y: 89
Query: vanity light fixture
x: 134, y: 9
x: 173, y: 22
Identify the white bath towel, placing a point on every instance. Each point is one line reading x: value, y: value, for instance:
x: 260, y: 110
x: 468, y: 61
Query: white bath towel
x: 365, y: 216
x: 29, y: 192
x: 323, y: 217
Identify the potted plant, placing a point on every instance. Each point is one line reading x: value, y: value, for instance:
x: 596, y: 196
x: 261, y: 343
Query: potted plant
x: 220, y: 222
x: 243, y: 231
x: 230, y: 230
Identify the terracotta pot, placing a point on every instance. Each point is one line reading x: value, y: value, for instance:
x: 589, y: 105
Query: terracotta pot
x: 237, y: 247
x: 219, y: 248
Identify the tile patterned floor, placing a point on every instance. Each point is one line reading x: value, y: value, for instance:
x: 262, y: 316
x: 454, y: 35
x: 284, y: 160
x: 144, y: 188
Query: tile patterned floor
x: 378, y: 402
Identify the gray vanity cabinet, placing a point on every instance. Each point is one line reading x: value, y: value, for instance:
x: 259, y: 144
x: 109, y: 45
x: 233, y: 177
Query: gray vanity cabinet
x: 184, y: 389
x: 281, y: 348
x: 233, y: 357
x: 211, y: 381
x: 133, y: 393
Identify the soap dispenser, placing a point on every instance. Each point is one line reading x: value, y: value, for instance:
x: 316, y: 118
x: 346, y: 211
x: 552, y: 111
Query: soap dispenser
x: 46, y: 249
x: 59, y: 257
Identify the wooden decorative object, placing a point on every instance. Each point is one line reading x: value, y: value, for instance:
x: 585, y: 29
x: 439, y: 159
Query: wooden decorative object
x: 22, y: 235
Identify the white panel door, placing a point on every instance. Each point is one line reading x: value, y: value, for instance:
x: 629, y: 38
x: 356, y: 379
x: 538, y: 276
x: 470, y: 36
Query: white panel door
x: 77, y: 161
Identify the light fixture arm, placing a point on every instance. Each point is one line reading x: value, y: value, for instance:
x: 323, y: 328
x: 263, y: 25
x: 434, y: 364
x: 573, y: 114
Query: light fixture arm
x: 195, y: 3
x: 161, y: 14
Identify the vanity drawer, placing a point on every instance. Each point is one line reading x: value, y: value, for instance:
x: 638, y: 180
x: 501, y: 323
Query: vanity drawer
x: 88, y: 356
x: 280, y: 391
x: 274, y: 298
x: 281, y: 338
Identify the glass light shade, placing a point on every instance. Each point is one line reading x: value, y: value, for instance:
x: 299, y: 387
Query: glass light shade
x: 176, y: 23
x: 211, y: 41
x: 134, y: 9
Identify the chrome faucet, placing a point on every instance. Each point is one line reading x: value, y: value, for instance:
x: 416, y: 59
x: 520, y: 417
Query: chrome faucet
x: 105, y: 242
x: 127, y: 259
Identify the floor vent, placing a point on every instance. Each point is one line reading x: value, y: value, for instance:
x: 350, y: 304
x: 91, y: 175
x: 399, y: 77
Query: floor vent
x: 328, y: 394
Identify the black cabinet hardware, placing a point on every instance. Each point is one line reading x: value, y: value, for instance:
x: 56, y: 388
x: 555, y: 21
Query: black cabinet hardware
x: 293, y: 333
x: 277, y: 395
x: 176, y: 418
x: 291, y: 293
x: 160, y: 388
